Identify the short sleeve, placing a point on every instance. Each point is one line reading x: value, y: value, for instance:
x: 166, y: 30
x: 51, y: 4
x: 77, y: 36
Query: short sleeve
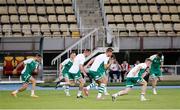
x: 152, y: 57
x: 65, y: 61
x: 28, y: 61
x: 106, y: 59
x: 81, y: 60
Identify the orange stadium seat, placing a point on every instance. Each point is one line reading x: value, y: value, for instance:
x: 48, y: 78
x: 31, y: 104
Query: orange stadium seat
x: 18, y: 60
x: 8, y: 65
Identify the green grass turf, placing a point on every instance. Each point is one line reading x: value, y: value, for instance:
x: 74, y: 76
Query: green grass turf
x: 55, y: 99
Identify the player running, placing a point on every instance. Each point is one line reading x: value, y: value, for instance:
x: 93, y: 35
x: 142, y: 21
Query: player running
x: 64, y: 73
x: 76, y: 70
x: 156, y: 69
x: 30, y: 66
x: 97, y: 72
x: 135, y: 76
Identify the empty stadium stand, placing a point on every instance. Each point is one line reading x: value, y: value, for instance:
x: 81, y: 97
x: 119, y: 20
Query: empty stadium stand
x: 143, y: 17
x: 37, y: 17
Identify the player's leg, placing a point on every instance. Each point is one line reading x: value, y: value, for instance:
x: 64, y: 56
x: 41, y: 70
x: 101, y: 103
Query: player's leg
x: 154, y: 83
x: 105, y: 89
x: 81, y: 85
x: 143, y: 89
x: 66, y: 86
x: 33, y: 81
x: 102, y: 86
x: 121, y: 93
x: 21, y: 89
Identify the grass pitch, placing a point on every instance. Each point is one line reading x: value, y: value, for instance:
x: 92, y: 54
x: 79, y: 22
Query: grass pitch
x: 55, y: 99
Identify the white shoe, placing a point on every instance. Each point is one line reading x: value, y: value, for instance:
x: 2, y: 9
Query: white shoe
x: 67, y: 94
x: 106, y: 93
x: 154, y: 92
x: 143, y: 99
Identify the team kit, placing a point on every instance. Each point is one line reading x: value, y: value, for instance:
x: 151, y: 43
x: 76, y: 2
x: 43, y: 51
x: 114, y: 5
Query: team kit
x: 74, y: 70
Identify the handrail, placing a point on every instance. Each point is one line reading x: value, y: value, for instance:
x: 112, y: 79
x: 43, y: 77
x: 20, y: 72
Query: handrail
x: 72, y: 46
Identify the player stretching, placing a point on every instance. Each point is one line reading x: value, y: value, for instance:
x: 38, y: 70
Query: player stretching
x: 64, y: 72
x: 30, y: 65
x: 97, y: 72
x: 76, y: 70
x: 135, y: 76
x: 155, y: 70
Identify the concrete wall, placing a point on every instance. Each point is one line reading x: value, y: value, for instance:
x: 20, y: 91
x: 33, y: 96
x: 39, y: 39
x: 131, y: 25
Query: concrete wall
x: 62, y: 43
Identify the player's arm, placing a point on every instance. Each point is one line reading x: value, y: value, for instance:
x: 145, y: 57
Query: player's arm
x: 89, y: 63
x: 60, y: 69
x: 107, y: 65
x: 145, y: 73
x: 162, y: 61
x: 82, y: 70
x: 17, y: 67
x: 138, y: 69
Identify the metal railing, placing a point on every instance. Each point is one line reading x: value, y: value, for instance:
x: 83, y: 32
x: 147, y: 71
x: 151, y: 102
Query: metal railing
x: 171, y: 70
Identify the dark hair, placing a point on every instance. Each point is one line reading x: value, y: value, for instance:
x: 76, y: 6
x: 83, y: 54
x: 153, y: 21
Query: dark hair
x: 109, y: 49
x: 87, y: 50
x: 159, y: 54
x: 38, y: 55
x: 72, y: 52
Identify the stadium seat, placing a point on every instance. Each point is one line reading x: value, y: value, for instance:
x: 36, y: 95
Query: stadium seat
x: 32, y: 10
x: 140, y: 27
x: 177, y: 26
x: 144, y: 9
x: 125, y: 9
x: 35, y: 28
x: 159, y: 27
x: 14, y: 19
x: 71, y: 18
x: 16, y: 28
x: 116, y: 9
x: 149, y: 27
x: 170, y: 1
x: 8, y: 65
x: 171, y: 34
x: 43, y: 19
x: 161, y: 2
x: 152, y: 33
x: 6, y: 28
x: 61, y: 18
x: 128, y: 18
x: 142, y: 1
x: 45, y: 28
x: 73, y: 27
x: 175, y: 18
x: 133, y: 34
x: 130, y: 27
x: 124, y: 34
x: 67, y: 1
x: 166, y: 18
x: 58, y: 1
x: 22, y: 10
x: 168, y: 27
x: 29, y: 2
x: 119, y: 18
x: 147, y: 18
x: 52, y: 18
x: 123, y: 1
x: 156, y: 18
x: 137, y: 18
x: 49, y: 2
x: 151, y: 1
x: 144, y: 34
x: 3, y: 1
x: 64, y: 27
x: 33, y: 19
x: 110, y: 18
x: 114, y: 1
x: 50, y: 10
x: 12, y: 10
x: 26, y: 29
x: 55, y: 27
x: 108, y: 9
x: 173, y: 9
x: 3, y: 10
x: 133, y: 2
x: 162, y: 34
x: 60, y: 10
x: 121, y: 27
x: 135, y: 9
x: 177, y: 1
x: 75, y: 34
x: 20, y: 2
x: 4, y: 19
x: 39, y: 1
x: 153, y: 9
x: 69, y: 10
x: 18, y: 60
x: 41, y: 10
x: 164, y: 9
x: 24, y: 19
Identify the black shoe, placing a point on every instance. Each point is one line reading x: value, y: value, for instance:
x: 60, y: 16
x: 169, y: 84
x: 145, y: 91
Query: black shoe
x: 57, y: 84
x: 80, y: 96
x: 113, y: 98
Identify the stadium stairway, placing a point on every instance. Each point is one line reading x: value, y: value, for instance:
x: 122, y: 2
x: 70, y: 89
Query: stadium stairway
x: 90, y: 41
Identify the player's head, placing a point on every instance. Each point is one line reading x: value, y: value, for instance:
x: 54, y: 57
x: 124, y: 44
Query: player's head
x: 148, y: 62
x: 72, y: 55
x: 87, y: 52
x: 38, y: 57
x: 159, y: 54
x: 109, y: 52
